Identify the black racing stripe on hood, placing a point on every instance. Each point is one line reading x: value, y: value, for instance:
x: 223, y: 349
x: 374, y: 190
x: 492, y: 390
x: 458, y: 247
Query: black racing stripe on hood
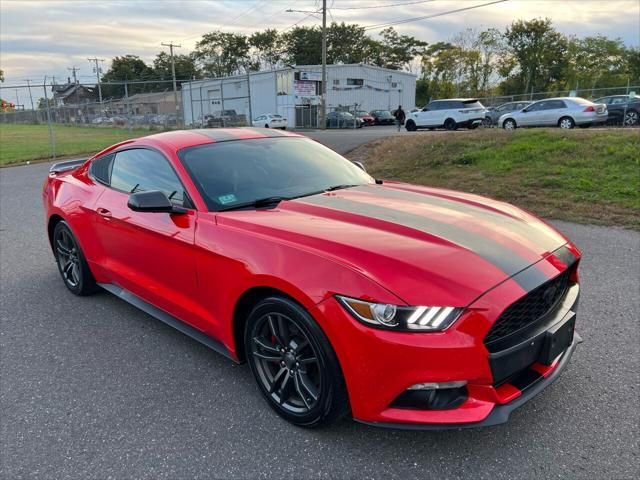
x: 505, y: 259
x: 531, y: 278
x: 564, y: 254
x: 546, y: 242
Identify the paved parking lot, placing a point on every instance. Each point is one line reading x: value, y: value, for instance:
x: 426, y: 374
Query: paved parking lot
x: 93, y: 388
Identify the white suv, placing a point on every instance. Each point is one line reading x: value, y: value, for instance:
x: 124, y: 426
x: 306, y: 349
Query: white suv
x: 450, y: 114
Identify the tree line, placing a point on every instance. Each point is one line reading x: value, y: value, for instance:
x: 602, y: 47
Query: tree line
x: 528, y: 55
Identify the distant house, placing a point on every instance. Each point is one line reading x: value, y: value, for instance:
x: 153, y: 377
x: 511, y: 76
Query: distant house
x: 147, y: 103
x: 73, y: 94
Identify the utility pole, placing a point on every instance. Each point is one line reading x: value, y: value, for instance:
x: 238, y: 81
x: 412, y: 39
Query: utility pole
x: 98, y: 71
x: 171, y: 45
x: 323, y: 100
x: 30, y: 96
x: 74, y: 69
x: 52, y: 137
x: 250, y: 122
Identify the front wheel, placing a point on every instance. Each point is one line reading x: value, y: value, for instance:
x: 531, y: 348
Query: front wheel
x: 411, y: 126
x: 509, y: 124
x: 72, y: 264
x: 566, y: 123
x: 294, y: 365
x: 631, y: 118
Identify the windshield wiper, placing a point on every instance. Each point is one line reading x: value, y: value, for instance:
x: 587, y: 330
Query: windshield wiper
x: 340, y: 187
x: 260, y: 202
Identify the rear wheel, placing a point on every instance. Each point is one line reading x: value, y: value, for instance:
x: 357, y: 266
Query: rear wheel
x: 566, y: 123
x: 450, y: 124
x: 631, y: 118
x: 266, y: 125
x: 411, y: 126
x: 486, y: 122
x: 294, y: 365
x: 509, y: 124
x: 71, y: 262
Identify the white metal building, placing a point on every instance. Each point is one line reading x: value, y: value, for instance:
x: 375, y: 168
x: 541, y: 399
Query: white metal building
x: 295, y: 92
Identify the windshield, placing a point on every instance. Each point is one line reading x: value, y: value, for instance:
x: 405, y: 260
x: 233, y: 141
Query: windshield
x: 243, y: 171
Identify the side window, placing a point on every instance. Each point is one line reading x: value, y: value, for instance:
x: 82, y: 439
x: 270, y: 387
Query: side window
x: 536, y: 107
x: 618, y: 101
x: 101, y: 168
x: 554, y: 104
x: 140, y: 170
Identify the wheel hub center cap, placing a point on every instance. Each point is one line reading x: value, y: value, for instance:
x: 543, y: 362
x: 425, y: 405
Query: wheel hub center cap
x: 290, y: 360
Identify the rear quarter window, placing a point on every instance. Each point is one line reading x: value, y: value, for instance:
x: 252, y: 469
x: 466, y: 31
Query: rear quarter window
x: 100, y: 168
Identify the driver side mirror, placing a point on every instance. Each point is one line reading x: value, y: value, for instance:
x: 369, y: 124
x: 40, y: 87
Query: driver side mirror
x: 360, y: 165
x: 153, y: 201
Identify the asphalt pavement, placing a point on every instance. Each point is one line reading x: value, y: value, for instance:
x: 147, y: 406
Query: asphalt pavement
x: 93, y: 388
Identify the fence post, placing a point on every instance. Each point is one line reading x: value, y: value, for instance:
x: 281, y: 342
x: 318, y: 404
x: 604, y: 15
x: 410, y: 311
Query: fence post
x: 52, y: 137
x: 126, y: 106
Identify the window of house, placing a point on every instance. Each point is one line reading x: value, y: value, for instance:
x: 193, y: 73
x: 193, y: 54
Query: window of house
x: 336, y: 82
x: 355, y: 81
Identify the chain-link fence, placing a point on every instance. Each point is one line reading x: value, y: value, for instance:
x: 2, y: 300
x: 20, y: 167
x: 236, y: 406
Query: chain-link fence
x: 138, y: 107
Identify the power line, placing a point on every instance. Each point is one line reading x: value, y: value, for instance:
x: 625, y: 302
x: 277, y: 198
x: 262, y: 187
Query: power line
x: 383, y: 6
x: 425, y: 17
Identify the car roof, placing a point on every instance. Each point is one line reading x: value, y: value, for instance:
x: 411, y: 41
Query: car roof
x: 455, y: 100
x: 179, y: 139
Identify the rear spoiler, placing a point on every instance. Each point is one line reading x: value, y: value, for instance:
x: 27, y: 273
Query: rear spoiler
x: 66, y: 166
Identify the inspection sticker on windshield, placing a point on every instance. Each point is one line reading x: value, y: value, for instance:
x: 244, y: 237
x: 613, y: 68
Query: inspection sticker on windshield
x: 224, y: 199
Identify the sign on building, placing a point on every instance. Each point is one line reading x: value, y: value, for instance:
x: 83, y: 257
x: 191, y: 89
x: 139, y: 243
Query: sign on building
x: 304, y: 88
x: 313, y: 76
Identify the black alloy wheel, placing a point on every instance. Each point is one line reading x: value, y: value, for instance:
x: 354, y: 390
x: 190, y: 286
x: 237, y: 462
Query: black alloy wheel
x: 631, y: 118
x: 450, y: 124
x: 71, y: 262
x: 294, y: 364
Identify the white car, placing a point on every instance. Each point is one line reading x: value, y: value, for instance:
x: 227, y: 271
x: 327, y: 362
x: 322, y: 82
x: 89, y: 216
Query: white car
x: 450, y: 114
x: 563, y: 112
x: 270, y: 120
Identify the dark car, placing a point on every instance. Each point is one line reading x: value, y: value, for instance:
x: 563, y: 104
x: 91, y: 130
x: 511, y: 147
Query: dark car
x: 622, y: 107
x: 382, y: 117
x: 494, y: 113
x: 342, y: 120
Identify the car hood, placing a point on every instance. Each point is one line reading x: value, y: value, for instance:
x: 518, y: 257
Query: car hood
x: 425, y: 245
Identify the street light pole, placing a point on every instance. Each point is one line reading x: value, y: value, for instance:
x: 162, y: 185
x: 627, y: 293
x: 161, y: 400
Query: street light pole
x: 173, y: 74
x: 323, y: 100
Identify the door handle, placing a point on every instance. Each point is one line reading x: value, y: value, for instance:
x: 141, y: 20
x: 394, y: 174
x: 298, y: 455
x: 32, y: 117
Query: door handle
x: 103, y: 212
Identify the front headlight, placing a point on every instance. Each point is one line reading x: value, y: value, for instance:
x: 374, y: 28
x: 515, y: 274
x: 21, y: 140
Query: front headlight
x: 394, y: 317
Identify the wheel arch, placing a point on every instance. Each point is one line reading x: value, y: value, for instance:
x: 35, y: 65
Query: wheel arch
x: 509, y: 118
x: 245, y: 304
x: 51, y: 225
x: 566, y: 116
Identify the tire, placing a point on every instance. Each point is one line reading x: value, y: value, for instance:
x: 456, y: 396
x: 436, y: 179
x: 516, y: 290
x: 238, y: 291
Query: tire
x: 266, y: 125
x: 631, y: 118
x: 509, y: 124
x: 566, y: 123
x: 411, y: 126
x: 450, y: 124
x: 294, y: 364
x: 72, y: 265
x: 486, y: 122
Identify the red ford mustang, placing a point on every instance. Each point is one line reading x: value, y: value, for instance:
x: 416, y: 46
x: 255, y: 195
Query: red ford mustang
x: 407, y: 306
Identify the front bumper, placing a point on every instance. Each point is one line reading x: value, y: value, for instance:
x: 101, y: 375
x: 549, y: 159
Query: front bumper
x: 380, y: 365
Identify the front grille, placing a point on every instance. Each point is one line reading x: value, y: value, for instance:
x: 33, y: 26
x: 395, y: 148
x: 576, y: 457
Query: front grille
x: 530, y: 309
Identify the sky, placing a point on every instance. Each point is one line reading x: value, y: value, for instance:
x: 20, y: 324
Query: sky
x: 46, y: 37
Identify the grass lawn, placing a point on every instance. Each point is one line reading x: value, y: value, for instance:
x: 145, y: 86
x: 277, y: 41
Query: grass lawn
x: 20, y: 143
x: 589, y: 176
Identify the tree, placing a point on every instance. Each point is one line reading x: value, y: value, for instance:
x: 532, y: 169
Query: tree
x: 594, y: 61
x: 185, y: 65
x: 127, y: 68
x: 221, y: 54
x: 440, y: 70
x: 535, y: 56
x: 303, y: 46
x: 1, y: 75
x: 346, y: 43
x: 267, y: 48
x: 42, y: 103
x: 397, y: 51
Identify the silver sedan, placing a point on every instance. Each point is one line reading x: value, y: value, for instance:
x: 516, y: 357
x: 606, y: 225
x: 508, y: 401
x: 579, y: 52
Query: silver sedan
x: 564, y: 112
